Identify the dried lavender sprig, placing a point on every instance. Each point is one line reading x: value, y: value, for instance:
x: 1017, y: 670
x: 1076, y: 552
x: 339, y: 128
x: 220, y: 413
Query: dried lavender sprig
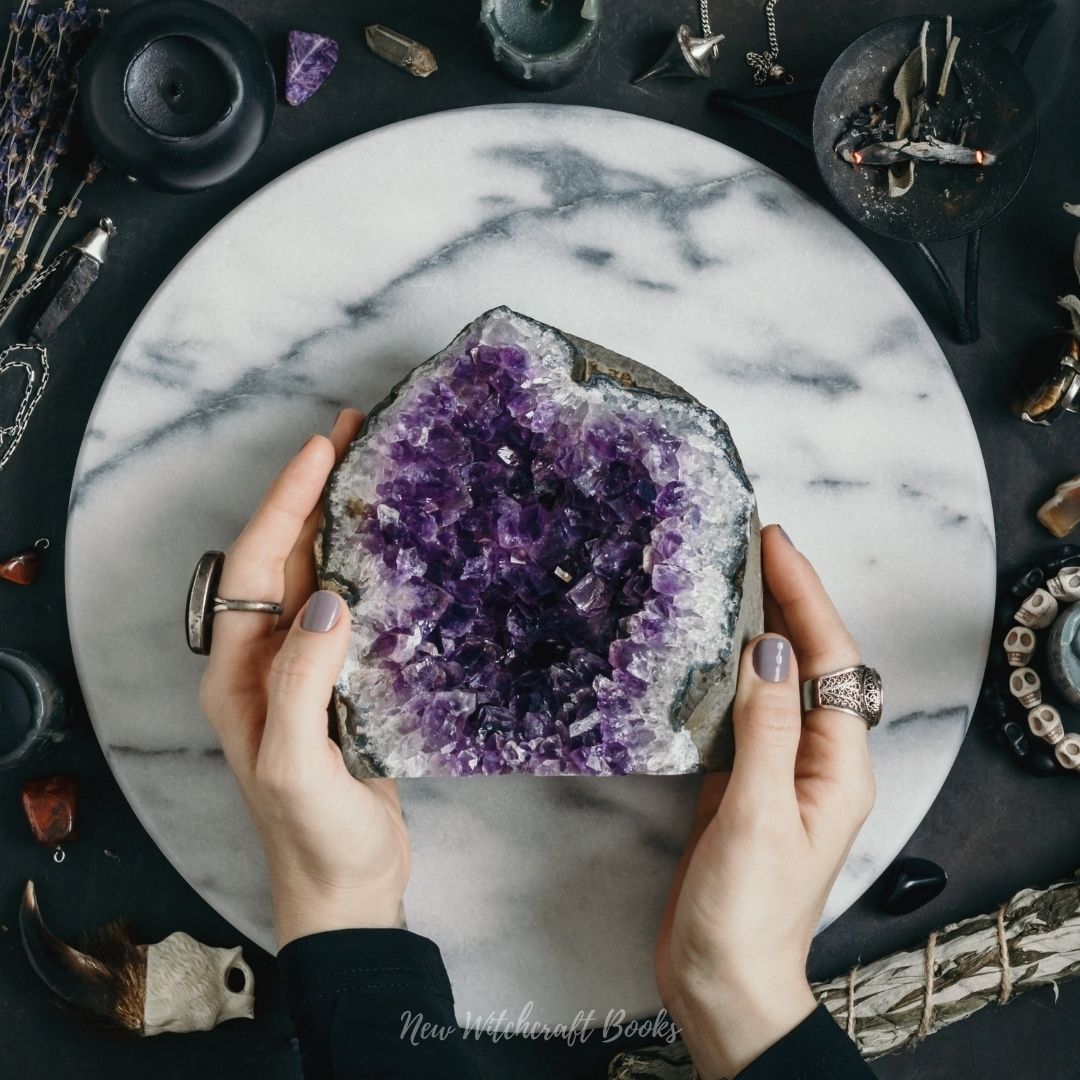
x: 31, y: 155
x: 50, y: 90
x: 39, y: 190
x: 21, y: 112
x: 19, y: 262
x: 16, y: 20
x: 66, y: 212
x: 36, y: 111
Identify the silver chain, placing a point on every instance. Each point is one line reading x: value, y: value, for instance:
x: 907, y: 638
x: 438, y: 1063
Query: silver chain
x: 29, y: 285
x: 706, y: 26
x: 11, y: 436
x: 762, y: 62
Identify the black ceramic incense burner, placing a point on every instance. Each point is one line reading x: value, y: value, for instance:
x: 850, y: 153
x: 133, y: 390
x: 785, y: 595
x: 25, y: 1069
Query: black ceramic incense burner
x: 177, y: 94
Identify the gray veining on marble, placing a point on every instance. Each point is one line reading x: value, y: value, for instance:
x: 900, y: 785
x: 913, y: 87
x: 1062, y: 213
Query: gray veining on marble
x: 324, y: 289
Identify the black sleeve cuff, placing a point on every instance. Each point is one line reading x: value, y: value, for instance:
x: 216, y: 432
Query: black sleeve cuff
x: 371, y: 961
x: 373, y: 1005
x: 815, y: 1050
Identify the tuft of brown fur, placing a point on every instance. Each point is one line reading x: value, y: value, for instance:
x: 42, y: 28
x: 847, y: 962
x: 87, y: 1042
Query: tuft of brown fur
x: 124, y: 988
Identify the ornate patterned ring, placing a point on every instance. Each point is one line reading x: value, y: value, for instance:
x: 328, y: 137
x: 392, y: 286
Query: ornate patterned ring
x: 855, y: 690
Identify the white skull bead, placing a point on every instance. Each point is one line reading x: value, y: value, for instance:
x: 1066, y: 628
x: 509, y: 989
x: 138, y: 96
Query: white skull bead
x: 1066, y: 584
x: 1026, y: 687
x: 1038, y: 610
x: 1045, y: 722
x: 1068, y: 751
x: 1019, y: 645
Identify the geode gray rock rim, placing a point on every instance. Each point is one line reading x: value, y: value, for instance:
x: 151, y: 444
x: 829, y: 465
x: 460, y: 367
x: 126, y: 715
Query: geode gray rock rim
x: 551, y: 557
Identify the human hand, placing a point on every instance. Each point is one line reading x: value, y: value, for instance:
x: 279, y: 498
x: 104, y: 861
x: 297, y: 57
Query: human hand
x: 337, y: 847
x: 769, y: 838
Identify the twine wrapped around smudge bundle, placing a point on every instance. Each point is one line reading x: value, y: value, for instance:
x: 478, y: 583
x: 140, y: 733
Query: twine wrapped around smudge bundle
x: 1031, y: 940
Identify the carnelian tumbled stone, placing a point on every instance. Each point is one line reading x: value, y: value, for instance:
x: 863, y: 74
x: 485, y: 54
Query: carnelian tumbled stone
x: 22, y: 569
x: 49, y: 804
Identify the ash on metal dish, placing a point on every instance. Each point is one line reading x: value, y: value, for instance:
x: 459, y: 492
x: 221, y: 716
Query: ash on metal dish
x: 930, y: 124
x: 925, y: 128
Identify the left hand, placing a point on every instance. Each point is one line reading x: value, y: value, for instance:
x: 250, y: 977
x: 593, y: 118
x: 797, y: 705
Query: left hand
x: 337, y: 847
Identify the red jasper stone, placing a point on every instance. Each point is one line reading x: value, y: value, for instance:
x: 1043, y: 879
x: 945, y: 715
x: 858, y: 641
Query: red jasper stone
x: 23, y: 568
x: 49, y: 804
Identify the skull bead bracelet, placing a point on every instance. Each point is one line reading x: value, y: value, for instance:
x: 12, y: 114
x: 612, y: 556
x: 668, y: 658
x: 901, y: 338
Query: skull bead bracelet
x: 1052, y: 600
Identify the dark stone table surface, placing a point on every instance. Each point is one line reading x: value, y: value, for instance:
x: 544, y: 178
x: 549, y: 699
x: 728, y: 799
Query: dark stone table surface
x: 993, y: 827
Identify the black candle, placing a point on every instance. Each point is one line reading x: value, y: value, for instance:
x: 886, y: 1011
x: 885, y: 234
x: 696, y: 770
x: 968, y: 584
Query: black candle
x: 176, y: 93
x: 177, y: 87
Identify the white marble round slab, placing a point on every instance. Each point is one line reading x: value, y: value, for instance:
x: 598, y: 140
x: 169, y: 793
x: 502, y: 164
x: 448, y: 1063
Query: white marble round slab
x: 667, y: 247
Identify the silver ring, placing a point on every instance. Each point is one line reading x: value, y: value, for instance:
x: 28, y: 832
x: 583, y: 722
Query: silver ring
x: 854, y: 690
x: 221, y: 604
x: 203, y: 602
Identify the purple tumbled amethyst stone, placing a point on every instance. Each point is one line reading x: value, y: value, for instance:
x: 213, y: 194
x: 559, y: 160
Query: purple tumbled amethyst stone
x: 309, y: 59
x: 550, y: 556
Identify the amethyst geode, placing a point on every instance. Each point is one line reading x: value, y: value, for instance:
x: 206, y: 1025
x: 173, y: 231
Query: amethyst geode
x: 550, y: 553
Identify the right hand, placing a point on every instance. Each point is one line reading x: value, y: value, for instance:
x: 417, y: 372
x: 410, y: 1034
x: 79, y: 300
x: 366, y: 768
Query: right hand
x: 336, y: 847
x: 770, y: 838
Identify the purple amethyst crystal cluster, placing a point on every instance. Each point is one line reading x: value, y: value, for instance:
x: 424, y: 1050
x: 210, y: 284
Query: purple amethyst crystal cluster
x: 545, y: 552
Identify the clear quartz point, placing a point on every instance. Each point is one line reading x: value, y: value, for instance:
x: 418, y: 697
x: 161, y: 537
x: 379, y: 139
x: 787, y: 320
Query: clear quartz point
x: 400, y: 50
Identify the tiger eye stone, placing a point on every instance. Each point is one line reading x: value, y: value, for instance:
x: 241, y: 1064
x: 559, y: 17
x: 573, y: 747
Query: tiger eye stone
x: 49, y: 804
x: 22, y: 569
x: 1061, y: 512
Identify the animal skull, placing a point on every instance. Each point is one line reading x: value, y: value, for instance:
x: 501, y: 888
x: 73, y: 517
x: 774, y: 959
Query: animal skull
x: 1026, y: 687
x: 1019, y: 645
x: 1045, y: 722
x: 179, y: 984
x: 1066, y: 584
x: 1038, y: 610
x: 187, y: 986
x: 1068, y: 751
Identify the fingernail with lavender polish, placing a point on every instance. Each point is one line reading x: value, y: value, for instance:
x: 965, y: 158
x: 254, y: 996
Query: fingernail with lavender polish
x: 322, y: 613
x: 772, y: 659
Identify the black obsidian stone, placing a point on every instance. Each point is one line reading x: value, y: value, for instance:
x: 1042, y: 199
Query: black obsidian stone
x: 1004, y: 612
x: 1031, y: 577
x: 992, y: 707
x: 910, y: 883
x: 78, y: 273
x: 1065, y: 555
x: 1013, y: 737
x: 1040, y: 760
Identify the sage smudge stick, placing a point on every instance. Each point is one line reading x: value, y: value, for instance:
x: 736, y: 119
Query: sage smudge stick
x: 1032, y: 940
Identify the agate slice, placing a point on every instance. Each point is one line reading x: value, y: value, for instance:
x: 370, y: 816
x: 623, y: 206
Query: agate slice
x: 550, y: 554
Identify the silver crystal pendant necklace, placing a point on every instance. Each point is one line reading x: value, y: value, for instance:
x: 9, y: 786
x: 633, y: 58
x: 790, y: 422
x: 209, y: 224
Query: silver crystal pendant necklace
x: 690, y: 56
x: 764, y: 64
x: 70, y: 276
x: 687, y: 56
